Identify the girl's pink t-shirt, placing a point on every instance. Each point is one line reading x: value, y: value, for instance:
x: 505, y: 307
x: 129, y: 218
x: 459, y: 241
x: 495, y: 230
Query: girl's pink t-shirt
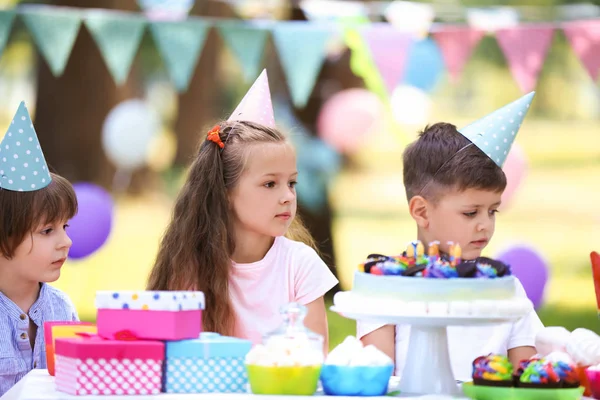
x: 290, y: 272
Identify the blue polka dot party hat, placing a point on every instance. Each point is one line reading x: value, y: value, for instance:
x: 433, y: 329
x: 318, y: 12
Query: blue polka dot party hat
x: 495, y: 133
x: 23, y: 167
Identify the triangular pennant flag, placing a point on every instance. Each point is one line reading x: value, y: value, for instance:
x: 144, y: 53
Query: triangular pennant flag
x: 118, y: 36
x: 302, y: 50
x: 389, y: 48
x: 495, y: 133
x: 457, y: 44
x: 54, y: 30
x: 6, y: 21
x: 180, y: 43
x: 23, y: 167
x: 247, y: 43
x: 525, y: 48
x: 256, y: 106
x: 584, y: 37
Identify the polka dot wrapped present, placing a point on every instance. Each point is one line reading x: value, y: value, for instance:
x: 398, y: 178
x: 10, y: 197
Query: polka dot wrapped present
x: 210, y: 364
x: 95, y: 366
x: 154, y: 315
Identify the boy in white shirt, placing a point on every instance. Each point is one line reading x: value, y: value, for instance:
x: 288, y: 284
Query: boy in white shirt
x: 454, y: 183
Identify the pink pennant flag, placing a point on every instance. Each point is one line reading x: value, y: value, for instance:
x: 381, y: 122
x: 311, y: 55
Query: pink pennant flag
x: 256, y: 106
x: 389, y: 49
x: 584, y: 37
x: 525, y: 48
x: 457, y: 44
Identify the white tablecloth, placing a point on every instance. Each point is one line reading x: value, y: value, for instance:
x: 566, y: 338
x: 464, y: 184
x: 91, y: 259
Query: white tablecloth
x: 38, y: 385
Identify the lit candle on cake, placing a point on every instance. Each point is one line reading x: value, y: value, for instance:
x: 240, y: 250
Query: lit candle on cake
x: 455, y: 253
x: 410, y: 251
x: 434, y: 249
x: 420, y: 250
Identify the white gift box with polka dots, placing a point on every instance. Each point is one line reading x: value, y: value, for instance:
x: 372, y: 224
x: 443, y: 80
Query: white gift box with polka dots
x: 154, y: 315
x: 210, y: 364
x: 93, y: 366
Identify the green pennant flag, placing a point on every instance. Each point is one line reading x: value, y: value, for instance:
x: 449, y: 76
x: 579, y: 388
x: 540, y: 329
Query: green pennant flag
x: 302, y: 49
x: 247, y: 42
x: 180, y: 44
x: 54, y: 31
x: 118, y: 37
x: 6, y: 21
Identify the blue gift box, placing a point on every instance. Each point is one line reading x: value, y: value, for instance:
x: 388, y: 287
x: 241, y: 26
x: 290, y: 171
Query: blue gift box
x: 210, y: 364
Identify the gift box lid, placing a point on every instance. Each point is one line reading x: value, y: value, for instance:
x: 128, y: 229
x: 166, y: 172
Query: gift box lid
x: 49, y: 324
x: 150, y: 300
x: 95, y: 347
x: 71, y: 331
x: 209, y: 345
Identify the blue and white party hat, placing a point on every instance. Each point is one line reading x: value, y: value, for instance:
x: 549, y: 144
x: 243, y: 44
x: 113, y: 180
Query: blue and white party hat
x: 23, y: 167
x: 495, y: 133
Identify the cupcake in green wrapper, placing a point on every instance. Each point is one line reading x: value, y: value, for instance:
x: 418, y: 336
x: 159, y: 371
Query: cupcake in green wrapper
x: 492, y: 370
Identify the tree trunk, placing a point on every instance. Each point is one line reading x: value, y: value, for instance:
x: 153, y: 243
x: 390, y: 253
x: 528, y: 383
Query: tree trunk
x: 71, y: 109
x: 199, y: 106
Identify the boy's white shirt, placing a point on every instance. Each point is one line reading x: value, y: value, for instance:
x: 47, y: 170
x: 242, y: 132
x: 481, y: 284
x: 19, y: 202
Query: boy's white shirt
x: 465, y: 343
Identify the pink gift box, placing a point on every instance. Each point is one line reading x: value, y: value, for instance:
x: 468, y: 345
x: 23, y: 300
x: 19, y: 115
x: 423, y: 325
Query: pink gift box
x: 49, y: 340
x: 155, y: 315
x: 94, y: 366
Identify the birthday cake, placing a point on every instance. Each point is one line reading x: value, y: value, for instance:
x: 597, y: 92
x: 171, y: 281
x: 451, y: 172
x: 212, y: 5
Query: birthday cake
x: 415, y: 283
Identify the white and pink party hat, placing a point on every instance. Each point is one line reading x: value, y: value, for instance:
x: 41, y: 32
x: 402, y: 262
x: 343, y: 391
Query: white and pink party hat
x: 256, y: 106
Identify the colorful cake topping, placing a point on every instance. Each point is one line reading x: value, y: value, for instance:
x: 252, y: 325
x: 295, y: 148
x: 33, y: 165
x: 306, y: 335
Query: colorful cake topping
x: 414, y: 262
x: 543, y: 372
x: 492, y: 368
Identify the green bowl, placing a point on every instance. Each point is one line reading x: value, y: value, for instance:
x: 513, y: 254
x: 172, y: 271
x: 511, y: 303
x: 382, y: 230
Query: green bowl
x: 478, y: 392
x: 301, y: 381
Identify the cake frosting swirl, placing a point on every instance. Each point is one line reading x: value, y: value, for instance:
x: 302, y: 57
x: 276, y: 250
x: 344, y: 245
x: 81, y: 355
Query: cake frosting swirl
x: 492, y: 369
x: 550, y: 374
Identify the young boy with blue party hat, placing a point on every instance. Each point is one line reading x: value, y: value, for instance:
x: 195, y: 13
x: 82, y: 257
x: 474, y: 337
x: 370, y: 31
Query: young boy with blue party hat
x: 35, y: 205
x: 454, y: 183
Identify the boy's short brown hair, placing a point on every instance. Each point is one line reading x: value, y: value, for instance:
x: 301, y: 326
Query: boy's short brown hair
x: 442, y: 158
x: 23, y: 212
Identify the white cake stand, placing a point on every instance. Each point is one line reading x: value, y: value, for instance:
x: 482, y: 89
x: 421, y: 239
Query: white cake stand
x: 428, y: 341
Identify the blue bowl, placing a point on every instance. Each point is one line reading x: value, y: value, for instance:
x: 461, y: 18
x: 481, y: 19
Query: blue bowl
x: 355, y: 381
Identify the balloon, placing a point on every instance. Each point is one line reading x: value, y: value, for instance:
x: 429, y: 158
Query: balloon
x: 515, y: 169
x: 425, y: 65
x: 348, y: 117
x: 127, y: 133
x: 163, y: 149
x: 529, y: 266
x: 410, y: 106
x: 90, y: 228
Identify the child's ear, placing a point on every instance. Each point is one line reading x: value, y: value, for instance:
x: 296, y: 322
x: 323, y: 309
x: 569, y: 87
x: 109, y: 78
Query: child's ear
x: 417, y: 206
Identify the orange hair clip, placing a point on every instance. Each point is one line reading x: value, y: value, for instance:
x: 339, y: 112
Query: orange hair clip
x: 213, y: 136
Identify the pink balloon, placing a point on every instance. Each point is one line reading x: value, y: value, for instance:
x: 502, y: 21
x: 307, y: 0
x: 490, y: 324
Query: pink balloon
x: 515, y: 169
x: 348, y: 117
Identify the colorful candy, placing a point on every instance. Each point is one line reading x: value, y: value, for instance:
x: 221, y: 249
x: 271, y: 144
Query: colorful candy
x: 431, y: 263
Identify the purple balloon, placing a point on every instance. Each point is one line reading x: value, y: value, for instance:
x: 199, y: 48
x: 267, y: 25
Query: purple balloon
x: 529, y: 266
x: 89, y: 229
